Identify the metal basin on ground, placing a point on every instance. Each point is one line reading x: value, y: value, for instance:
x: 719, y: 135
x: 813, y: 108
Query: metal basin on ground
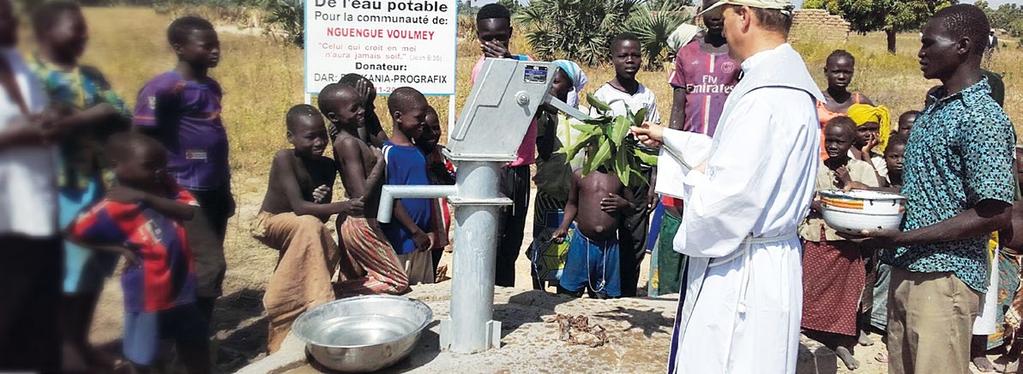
x: 364, y: 333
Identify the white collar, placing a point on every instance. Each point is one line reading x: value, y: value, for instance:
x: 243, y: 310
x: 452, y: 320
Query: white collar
x: 755, y: 60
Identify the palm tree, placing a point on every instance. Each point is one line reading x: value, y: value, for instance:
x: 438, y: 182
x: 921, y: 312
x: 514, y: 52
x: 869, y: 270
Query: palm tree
x: 653, y: 25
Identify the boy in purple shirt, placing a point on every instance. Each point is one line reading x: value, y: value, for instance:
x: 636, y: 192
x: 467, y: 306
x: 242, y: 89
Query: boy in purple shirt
x: 181, y: 110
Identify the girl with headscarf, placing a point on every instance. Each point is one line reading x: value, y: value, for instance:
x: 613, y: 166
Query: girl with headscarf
x: 553, y: 174
x: 873, y: 127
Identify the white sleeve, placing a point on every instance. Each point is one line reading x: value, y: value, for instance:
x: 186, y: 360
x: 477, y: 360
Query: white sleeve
x: 726, y: 201
x: 681, y: 152
x: 653, y: 115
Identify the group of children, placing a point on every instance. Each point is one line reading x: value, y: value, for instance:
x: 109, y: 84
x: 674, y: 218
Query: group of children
x: 151, y: 186
x: 845, y: 285
x: 158, y: 193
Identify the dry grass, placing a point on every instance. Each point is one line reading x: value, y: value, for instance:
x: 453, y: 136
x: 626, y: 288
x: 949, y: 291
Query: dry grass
x: 263, y: 78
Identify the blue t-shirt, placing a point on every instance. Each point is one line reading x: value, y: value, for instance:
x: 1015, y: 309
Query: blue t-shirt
x: 406, y: 165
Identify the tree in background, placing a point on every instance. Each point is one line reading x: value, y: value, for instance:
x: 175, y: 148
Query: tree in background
x: 1008, y: 17
x: 512, y: 5
x: 890, y: 16
x: 581, y: 30
x: 288, y: 16
x: 653, y: 25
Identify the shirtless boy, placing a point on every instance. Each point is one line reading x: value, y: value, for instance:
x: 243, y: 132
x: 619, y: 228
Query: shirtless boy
x: 362, y: 174
x: 291, y: 220
x: 597, y: 205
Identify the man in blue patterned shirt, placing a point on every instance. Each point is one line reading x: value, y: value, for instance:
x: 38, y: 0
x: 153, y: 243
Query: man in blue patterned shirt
x: 958, y: 181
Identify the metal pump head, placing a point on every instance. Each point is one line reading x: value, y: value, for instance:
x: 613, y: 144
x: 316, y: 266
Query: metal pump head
x: 500, y: 108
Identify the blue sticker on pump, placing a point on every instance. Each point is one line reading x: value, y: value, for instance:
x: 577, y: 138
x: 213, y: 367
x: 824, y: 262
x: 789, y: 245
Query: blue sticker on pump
x: 535, y: 74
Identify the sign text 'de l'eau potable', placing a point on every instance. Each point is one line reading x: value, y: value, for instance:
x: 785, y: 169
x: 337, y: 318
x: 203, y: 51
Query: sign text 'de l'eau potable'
x: 394, y: 43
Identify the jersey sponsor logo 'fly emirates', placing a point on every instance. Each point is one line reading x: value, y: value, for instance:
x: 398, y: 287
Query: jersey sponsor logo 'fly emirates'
x: 710, y: 84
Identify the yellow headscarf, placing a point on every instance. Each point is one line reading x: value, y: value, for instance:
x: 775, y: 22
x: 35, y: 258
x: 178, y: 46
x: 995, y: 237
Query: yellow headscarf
x: 863, y: 113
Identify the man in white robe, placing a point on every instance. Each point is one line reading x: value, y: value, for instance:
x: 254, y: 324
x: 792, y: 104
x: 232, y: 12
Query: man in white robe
x: 746, y: 191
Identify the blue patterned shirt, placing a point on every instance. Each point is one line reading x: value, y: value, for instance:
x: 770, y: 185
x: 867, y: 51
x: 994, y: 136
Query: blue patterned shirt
x: 960, y: 152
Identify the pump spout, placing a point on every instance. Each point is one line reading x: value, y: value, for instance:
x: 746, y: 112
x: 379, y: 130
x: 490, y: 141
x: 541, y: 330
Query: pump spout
x: 388, y: 193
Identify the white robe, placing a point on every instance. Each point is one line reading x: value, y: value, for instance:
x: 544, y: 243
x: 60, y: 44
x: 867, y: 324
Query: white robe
x: 742, y: 308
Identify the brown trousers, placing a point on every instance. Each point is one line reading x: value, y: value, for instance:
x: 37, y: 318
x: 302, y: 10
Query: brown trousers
x: 930, y: 322
x: 308, y: 257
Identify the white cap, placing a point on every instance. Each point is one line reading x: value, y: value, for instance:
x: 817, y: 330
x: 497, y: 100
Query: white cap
x: 783, y: 5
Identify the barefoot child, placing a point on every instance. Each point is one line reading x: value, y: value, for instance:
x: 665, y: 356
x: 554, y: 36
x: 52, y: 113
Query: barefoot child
x: 833, y: 268
x: 291, y: 220
x: 596, y: 204
x: 181, y: 109
x: 141, y: 219
x: 625, y: 93
x: 61, y: 32
x: 409, y: 232
x: 361, y: 169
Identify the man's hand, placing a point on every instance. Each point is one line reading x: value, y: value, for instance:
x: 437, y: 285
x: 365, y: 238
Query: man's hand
x: 422, y: 240
x: 559, y: 235
x: 494, y: 50
x: 613, y: 204
x: 320, y: 194
x: 649, y: 134
x: 125, y: 194
x: 875, y: 239
x: 354, y: 207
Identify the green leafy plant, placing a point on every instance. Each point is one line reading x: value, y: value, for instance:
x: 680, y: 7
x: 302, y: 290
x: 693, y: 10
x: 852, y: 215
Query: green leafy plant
x: 287, y: 16
x: 653, y: 24
x: 578, y: 30
x: 607, y: 145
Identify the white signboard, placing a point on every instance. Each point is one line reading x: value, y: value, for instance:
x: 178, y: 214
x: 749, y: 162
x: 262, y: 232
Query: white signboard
x: 394, y: 43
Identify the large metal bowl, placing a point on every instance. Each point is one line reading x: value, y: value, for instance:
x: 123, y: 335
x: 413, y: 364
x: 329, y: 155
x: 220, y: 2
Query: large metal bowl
x: 362, y: 334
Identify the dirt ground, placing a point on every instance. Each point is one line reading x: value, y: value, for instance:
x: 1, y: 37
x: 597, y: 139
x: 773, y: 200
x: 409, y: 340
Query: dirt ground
x: 241, y: 330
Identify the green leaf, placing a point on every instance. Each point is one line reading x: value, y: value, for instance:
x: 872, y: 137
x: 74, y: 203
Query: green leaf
x: 639, y: 118
x: 596, y: 103
x: 572, y: 150
x: 620, y: 130
x: 644, y: 157
x: 640, y: 178
x: 598, y: 159
x: 622, y: 167
x: 586, y: 129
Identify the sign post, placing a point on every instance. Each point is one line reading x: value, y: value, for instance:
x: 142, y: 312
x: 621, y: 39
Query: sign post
x: 393, y: 43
